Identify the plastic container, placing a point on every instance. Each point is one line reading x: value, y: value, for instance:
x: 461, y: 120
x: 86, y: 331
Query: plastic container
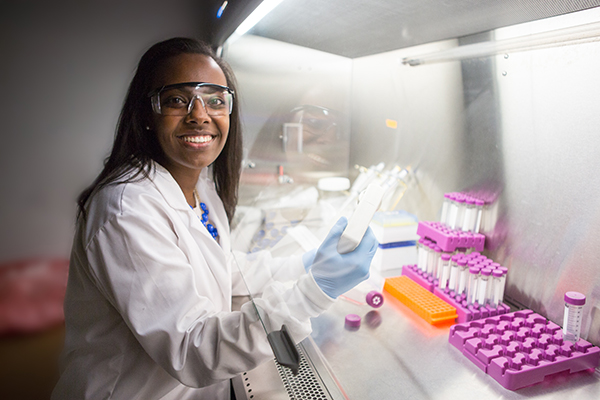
x: 574, y: 303
x: 332, y: 187
x: 497, y: 287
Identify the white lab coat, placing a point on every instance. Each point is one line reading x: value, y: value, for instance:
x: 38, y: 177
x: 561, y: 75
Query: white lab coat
x: 148, y: 303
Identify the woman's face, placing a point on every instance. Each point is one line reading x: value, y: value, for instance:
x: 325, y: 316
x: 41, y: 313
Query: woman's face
x: 190, y: 142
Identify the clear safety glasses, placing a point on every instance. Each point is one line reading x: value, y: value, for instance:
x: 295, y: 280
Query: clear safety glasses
x: 178, y: 99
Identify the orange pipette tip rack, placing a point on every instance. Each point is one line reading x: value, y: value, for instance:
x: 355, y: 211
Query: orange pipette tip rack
x: 427, y: 305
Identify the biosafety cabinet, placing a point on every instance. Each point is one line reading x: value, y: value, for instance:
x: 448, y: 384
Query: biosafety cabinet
x: 495, y: 97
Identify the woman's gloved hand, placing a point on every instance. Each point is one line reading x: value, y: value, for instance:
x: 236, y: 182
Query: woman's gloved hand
x: 337, y: 273
x: 308, y: 258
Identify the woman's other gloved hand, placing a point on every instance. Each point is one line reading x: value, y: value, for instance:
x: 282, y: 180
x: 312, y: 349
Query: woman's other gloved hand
x: 337, y: 273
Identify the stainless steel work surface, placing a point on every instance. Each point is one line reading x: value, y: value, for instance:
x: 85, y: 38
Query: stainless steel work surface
x: 397, y: 355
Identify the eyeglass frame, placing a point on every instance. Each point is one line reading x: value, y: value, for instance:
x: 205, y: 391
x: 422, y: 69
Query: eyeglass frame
x: 156, y: 107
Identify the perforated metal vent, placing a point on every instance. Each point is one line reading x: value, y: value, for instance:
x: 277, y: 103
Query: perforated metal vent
x: 306, y: 385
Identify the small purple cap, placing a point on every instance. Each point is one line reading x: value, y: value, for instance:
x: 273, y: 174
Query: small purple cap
x: 486, y: 271
x: 462, y: 262
x: 470, y: 200
x: 479, y: 202
x: 446, y: 256
x: 497, y: 273
x: 437, y: 249
x: 352, y: 320
x: 374, y: 299
x: 475, y: 254
x: 574, y: 298
x: 504, y: 270
x: 495, y: 265
x: 474, y: 270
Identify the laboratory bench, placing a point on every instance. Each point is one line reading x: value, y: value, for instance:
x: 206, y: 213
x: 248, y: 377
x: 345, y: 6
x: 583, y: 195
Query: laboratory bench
x: 394, y: 354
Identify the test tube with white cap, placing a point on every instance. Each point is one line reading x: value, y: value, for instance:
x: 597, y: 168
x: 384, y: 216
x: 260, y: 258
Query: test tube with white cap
x: 574, y: 303
x: 482, y: 287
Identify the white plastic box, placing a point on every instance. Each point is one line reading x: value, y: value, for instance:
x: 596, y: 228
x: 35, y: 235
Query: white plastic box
x: 396, y: 232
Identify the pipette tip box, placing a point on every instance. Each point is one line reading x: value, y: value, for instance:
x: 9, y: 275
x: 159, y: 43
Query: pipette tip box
x: 521, y: 348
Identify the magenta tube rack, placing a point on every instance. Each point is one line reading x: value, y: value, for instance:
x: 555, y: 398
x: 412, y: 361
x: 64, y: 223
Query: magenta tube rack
x: 450, y: 239
x: 520, y: 349
x: 465, y: 312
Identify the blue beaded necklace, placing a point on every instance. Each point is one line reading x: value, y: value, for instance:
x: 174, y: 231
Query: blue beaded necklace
x: 204, y: 217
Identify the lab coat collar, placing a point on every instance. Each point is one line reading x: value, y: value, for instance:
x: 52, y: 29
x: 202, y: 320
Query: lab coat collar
x: 168, y: 187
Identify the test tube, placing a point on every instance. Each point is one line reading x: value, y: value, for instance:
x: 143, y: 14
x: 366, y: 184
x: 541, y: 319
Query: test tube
x: 479, y: 206
x: 434, y: 269
x: 503, y: 282
x: 460, y: 213
x: 473, y: 283
x: 482, y: 286
x: 445, y: 208
x: 445, y: 271
x: 453, y: 272
x: 431, y: 260
x: 497, y: 277
x: 470, y: 215
x: 421, y: 254
x: 463, y: 271
x: 574, y: 303
x: 452, y: 210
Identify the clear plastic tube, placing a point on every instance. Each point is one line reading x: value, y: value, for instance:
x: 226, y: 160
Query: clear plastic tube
x: 434, y: 269
x: 470, y: 215
x: 574, y: 303
x: 431, y: 261
x: 463, y: 273
x: 453, y: 272
x: 497, y: 278
x: 445, y: 272
x: 421, y: 254
x: 472, y: 285
x: 479, y: 207
x: 460, y: 213
x: 445, y: 208
x: 452, y: 210
x: 503, y: 282
x: 482, y: 286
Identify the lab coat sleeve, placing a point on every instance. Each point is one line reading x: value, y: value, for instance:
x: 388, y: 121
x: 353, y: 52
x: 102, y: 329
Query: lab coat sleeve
x: 138, y: 266
x: 261, y: 269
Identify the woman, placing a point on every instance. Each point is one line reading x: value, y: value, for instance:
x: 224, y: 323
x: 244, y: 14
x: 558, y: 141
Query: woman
x: 148, y: 304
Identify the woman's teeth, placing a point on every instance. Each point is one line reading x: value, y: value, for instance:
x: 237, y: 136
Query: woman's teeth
x: 197, y: 139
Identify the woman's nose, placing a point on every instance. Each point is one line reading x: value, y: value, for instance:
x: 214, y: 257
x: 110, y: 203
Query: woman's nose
x: 198, y: 110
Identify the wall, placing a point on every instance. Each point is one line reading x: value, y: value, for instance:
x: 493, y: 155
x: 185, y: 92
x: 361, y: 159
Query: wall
x: 65, y: 70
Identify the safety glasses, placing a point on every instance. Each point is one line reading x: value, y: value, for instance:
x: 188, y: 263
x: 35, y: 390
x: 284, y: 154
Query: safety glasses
x: 179, y: 99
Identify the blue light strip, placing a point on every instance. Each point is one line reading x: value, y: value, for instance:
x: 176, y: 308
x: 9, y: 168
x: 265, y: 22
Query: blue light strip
x: 221, y: 9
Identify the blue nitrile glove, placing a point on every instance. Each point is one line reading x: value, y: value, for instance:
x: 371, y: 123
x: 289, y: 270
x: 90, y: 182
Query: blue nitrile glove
x: 337, y: 273
x: 308, y: 258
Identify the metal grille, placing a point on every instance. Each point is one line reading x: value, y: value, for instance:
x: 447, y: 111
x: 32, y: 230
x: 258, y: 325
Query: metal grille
x: 306, y: 384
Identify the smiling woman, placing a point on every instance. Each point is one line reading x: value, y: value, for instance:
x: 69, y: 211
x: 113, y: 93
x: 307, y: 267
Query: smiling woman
x: 152, y: 274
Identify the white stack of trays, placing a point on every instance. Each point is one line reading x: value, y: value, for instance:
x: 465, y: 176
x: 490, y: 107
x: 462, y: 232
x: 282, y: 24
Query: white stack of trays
x: 396, y: 232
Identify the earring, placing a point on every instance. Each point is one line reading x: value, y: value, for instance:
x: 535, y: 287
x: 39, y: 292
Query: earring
x: 147, y: 128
